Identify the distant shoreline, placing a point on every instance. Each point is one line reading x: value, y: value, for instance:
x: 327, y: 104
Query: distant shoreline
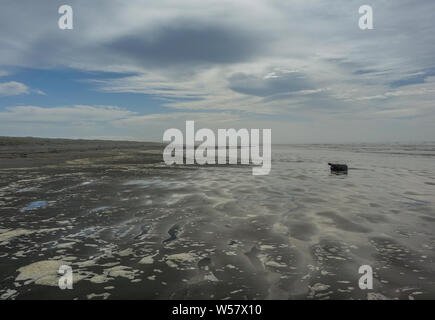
x: 21, y: 152
x: 4, y: 139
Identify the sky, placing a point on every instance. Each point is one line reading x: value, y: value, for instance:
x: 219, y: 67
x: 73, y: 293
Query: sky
x: 303, y: 68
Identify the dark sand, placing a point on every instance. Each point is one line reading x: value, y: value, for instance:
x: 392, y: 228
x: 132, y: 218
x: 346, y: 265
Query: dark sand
x: 132, y: 227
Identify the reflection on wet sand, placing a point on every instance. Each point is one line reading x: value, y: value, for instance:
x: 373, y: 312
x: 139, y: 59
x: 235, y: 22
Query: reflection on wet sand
x: 131, y: 227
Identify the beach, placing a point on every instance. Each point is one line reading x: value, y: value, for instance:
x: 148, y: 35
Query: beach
x: 131, y: 227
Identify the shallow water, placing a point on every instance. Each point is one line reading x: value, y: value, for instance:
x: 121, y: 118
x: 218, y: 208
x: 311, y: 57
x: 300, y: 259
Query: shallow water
x: 34, y: 205
x: 219, y: 232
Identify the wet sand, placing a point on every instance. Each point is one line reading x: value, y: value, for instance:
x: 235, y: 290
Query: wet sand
x: 133, y: 228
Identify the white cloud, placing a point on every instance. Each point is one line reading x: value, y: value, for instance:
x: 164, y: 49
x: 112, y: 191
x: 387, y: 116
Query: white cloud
x: 72, y: 114
x: 13, y: 88
x: 40, y: 92
x: 349, y: 71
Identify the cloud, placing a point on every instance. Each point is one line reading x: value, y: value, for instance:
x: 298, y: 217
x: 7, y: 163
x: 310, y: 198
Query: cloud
x: 40, y: 92
x: 187, y: 43
x: 104, y: 122
x: 416, y: 78
x: 13, y: 88
x: 167, y: 120
x: 273, y: 83
x: 61, y: 115
x: 271, y: 61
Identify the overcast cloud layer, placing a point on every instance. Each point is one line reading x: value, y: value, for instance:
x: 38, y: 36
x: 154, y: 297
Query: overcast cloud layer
x: 301, y: 67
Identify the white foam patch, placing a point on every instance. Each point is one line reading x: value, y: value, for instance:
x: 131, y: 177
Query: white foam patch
x: 181, y: 260
x: 275, y: 264
x: 14, y: 233
x: 9, y: 234
x: 126, y: 252
x: 280, y: 228
x: 319, y: 290
x: 148, y: 259
x: 376, y: 296
x: 121, y: 271
x: 266, y: 247
x: 8, y: 294
x: 43, y: 273
x: 114, y: 272
x: 65, y: 245
x: 211, y: 277
x: 104, y: 296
